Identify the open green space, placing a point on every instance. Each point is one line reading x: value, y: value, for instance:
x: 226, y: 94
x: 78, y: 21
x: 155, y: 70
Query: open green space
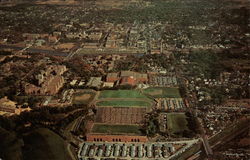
x: 83, y: 96
x: 121, y: 94
x: 177, y: 123
x: 10, y: 146
x: 42, y: 144
x: 159, y: 10
x: 116, y: 129
x: 206, y: 63
x: 116, y: 103
x: 161, y: 92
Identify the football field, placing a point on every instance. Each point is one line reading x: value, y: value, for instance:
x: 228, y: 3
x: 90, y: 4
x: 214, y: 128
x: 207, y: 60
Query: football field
x: 121, y: 94
x: 116, y: 129
x: 124, y: 103
x: 176, y: 123
x: 123, y: 98
x: 162, y: 92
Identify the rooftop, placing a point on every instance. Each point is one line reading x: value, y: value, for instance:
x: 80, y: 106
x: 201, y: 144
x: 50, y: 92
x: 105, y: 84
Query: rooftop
x: 112, y: 75
x: 133, y: 74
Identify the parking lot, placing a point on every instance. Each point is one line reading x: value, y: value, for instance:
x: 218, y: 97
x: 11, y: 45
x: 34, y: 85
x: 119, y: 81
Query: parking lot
x: 126, y: 150
x: 166, y: 104
x: 163, y: 81
x: 150, y: 150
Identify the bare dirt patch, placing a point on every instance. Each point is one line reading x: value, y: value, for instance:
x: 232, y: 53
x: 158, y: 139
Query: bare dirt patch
x: 244, y: 142
x: 65, y: 46
x: 83, y: 97
x: 58, y: 2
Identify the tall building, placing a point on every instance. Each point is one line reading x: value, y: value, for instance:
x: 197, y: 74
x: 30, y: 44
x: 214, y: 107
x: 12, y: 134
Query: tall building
x: 49, y: 81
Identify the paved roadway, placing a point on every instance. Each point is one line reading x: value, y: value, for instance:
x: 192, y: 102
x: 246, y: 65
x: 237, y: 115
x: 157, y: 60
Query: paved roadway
x: 225, y: 139
x: 35, y: 50
x: 206, y: 145
x: 70, y: 137
x: 79, y: 51
x: 204, y: 139
x: 189, y: 144
x: 70, y: 55
x: 229, y: 137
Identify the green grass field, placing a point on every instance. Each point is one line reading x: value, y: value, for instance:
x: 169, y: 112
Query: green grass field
x: 161, y: 92
x: 83, y: 97
x: 10, y: 146
x: 116, y: 129
x: 43, y: 144
x: 121, y: 94
x: 176, y: 122
x: 124, y: 103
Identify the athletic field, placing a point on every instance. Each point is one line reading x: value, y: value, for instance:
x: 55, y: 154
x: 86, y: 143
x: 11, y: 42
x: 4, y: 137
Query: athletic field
x: 161, y: 92
x: 123, y: 98
x: 124, y: 103
x: 116, y: 129
x: 121, y: 94
x: 176, y: 123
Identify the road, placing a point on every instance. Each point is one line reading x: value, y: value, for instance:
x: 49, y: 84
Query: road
x: 224, y: 139
x: 35, y: 50
x: 70, y: 152
x: 229, y: 137
x: 206, y: 145
x: 204, y: 139
x: 70, y: 137
x: 80, y: 51
x: 70, y: 55
x: 189, y: 144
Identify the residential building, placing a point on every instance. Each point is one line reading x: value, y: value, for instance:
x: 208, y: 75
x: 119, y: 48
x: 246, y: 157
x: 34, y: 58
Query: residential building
x: 139, y: 77
x: 115, y: 138
x: 127, y: 77
x: 95, y: 82
x: 50, y: 81
x: 112, y: 77
x: 8, y: 107
x: 130, y: 80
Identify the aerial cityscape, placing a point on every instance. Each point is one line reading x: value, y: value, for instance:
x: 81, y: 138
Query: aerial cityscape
x: 124, y: 80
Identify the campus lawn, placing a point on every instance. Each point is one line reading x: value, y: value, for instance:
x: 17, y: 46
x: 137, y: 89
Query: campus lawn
x: 42, y: 144
x: 162, y: 92
x: 116, y: 129
x: 176, y: 123
x: 124, y: 103
x: 10, y: 145
x: 121, y: 94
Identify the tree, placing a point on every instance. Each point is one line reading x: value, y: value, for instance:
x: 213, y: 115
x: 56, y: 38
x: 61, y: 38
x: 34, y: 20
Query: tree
x: 193, y: 123
x: 151, y: 126
x: 151, y: 129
